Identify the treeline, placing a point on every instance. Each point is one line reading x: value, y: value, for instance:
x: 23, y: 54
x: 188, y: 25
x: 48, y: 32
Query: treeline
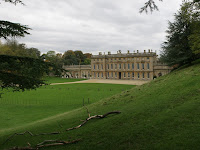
x: 68, y: 58
x: 13, y: 48
x: 55, y: 60
x: 21, y: 67
x: 183, y: 36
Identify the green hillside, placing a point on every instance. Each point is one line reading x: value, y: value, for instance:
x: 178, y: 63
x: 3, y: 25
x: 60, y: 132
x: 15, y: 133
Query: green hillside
x: 163, y: 114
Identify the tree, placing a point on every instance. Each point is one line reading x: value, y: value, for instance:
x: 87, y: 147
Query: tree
x: 88, y: 55
x: 194, y: 40
x: 151, y: 5
x: 69, y: 58
x: 10, y: 29
x: 33, y: 52
x: 79, y: 56
x: 87, y: 61
x: 19, y: 72
x: 177, y: 48
x: 13, y: 48
x: 20, y: 67
x: 55, y: 61
x: 13, y: 1
x: 76, y: 58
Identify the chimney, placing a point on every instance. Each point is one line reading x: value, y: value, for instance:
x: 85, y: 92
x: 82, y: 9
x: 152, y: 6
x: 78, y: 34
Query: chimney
x: 109, y: 53
x: 149, y: 50
x: 128, y: 51
x: 137, y: 51
x: 100, y: 53
x: 144, y: 51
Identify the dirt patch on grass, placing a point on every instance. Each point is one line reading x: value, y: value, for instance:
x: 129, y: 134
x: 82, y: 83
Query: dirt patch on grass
x: 130, y: 82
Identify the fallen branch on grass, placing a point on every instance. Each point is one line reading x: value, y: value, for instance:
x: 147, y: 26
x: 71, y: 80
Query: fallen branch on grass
x: 28, y: 132
x: 22, y: 148
x: 46, y: 143
x: 93, y: 117
x: 52, y: 133
x: 87, y: 111
x: 40, y: 145
x: 54, y: 143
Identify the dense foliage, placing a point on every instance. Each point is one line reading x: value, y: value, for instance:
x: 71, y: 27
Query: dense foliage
x: 57, y: 60
x: 76, y: 57
x: 21, y: 67
x: 21, y: 72
x: 13, y: 48
x: 183, y: 44
x: 9, y: 29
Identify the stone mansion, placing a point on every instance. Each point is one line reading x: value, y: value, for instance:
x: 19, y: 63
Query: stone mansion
x: 128, y: 66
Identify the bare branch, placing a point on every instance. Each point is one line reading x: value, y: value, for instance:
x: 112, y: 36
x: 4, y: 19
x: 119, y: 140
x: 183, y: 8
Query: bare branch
x: 46, y: 143
x: 56, y: 142
x: 87, y: 111
x: 52, y: 133
x: 12, y: 136
x: 14, y: 1
x: 28, y: 132
x: 93, y: 117
x: 151, y: 5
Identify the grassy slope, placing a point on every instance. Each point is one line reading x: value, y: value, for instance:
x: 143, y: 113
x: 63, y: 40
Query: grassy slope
x: 163, y: 114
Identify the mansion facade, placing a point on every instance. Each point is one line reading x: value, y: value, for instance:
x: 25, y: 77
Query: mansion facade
x: 128, y: 66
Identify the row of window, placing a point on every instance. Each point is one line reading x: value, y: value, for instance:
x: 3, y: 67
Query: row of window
x: 111, y: 59
x: 124, y: 75
x: 119, y: 66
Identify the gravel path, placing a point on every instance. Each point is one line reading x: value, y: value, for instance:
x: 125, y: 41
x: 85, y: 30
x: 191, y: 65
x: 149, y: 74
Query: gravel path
x: 131, y: 82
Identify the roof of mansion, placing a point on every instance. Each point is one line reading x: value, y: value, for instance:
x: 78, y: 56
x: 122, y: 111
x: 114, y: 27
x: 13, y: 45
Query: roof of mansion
x: 128, y: 54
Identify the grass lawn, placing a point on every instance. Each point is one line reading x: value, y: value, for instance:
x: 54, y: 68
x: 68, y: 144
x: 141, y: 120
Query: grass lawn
x: 162, y: 114
x: 60, y: 80
x: 21, y: 108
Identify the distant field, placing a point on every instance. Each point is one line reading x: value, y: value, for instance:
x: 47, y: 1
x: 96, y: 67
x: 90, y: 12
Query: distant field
x: 60, y: 80
x: 20, y: 108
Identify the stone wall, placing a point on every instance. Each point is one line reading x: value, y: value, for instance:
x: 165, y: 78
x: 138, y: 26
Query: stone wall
x: 78, y: 71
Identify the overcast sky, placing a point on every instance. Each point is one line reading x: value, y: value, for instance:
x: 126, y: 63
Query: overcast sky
x: 91, y: 25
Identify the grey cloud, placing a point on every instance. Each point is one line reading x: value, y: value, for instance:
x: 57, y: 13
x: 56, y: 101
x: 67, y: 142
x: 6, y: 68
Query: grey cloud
x: 91, y: 25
